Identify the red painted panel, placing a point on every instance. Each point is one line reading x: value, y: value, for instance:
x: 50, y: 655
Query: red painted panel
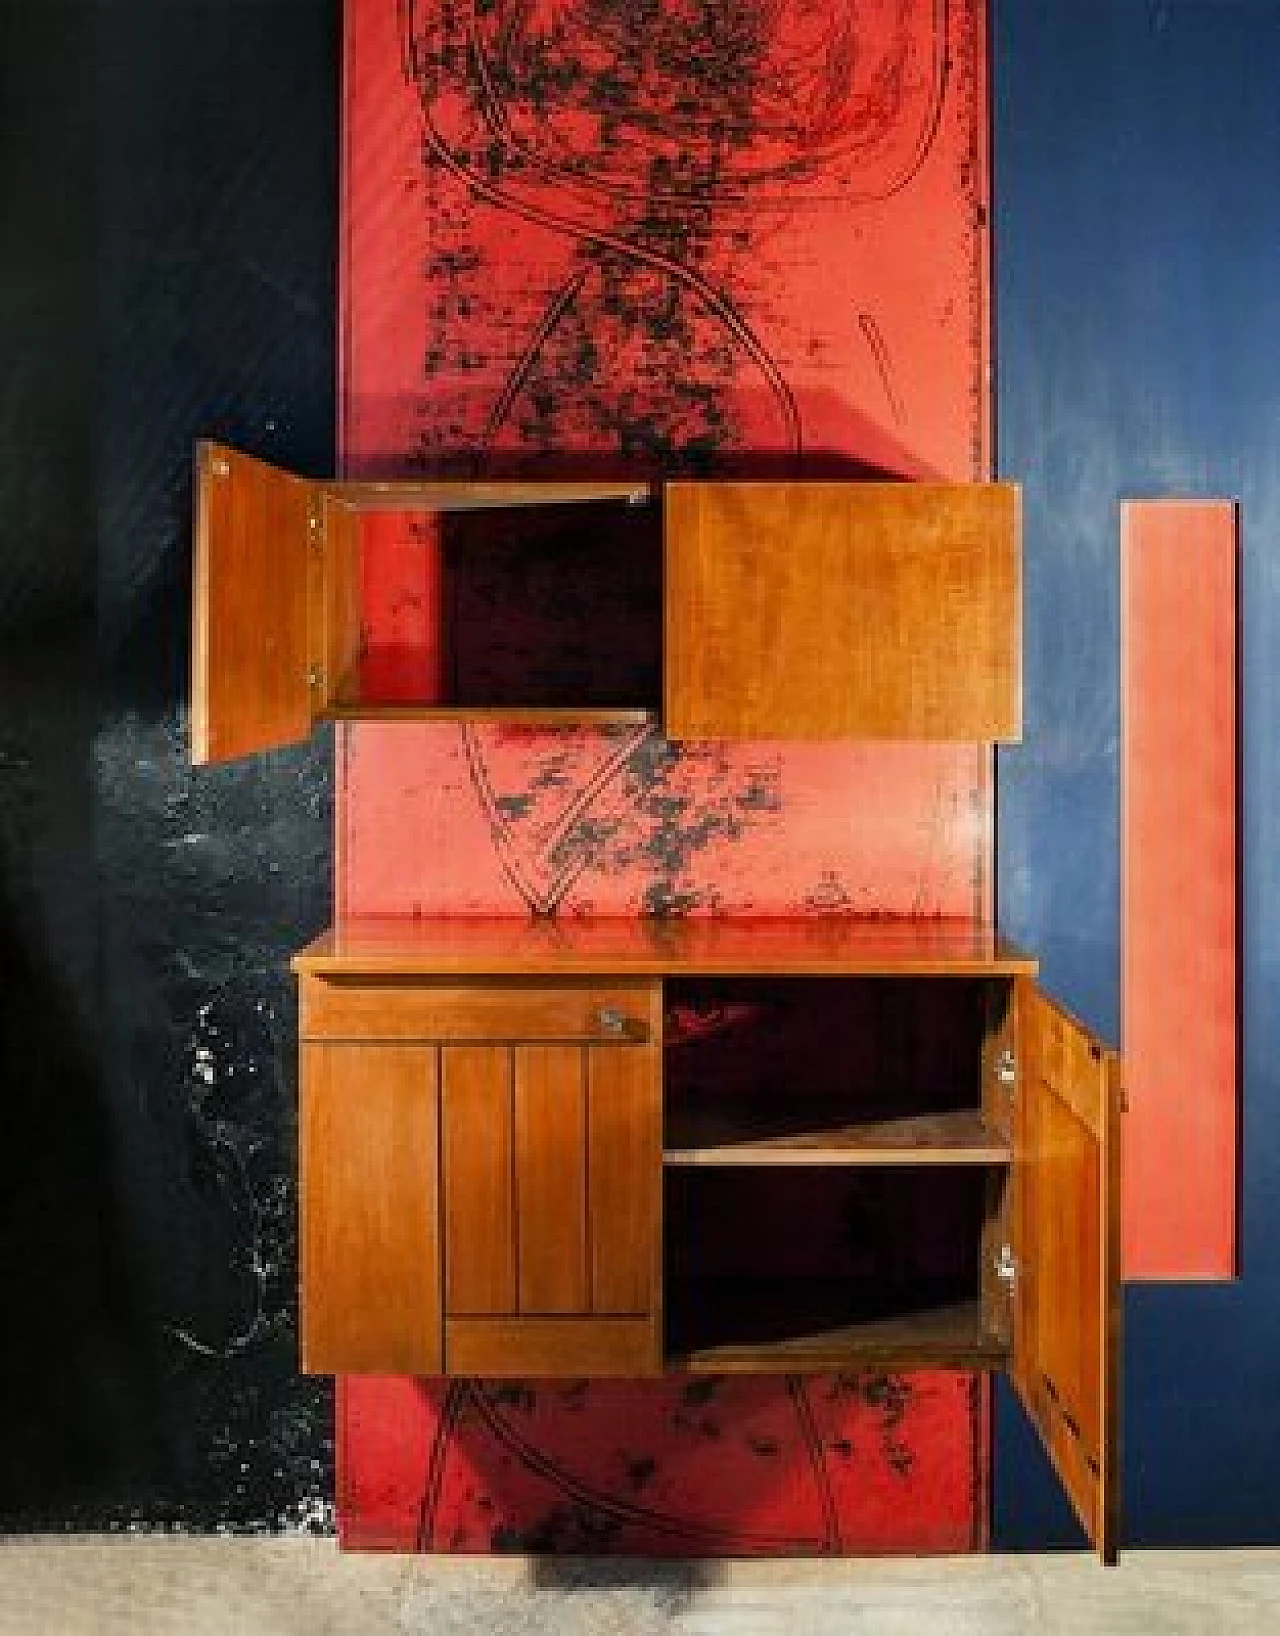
x: 1180, y: 888
x: 636, y: 244
x: 617, y: 236
x: 686, y: 1467
x: 491, y: 820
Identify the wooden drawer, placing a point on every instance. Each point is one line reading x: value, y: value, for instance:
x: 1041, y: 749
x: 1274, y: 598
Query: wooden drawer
x: 414, y: 1009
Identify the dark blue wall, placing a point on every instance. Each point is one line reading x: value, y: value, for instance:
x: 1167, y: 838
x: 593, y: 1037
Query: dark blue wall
x: 1137, y: 150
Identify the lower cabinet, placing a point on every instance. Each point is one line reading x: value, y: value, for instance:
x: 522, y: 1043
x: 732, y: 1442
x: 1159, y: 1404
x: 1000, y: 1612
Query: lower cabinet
x: 508, y: 1177
x: 474, y: 1204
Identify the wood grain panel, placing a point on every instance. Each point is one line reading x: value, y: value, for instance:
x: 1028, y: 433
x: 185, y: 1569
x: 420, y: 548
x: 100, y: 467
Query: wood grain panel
x: 624, y: 1177
x: 352, y: 707
x: 800, y: 1330
x: 795, y: 1130
x: 1066, y: 1337
x: 252, y: 642
x: 343, y: 599
x: 553, y: 1267
x: 477, y: 1158
x: 406, y: 495
x: 605, y: 1012
x: 829, y: 610
x: 552, y: 1347
x: 1179, y: 646
x: 369, y: 1237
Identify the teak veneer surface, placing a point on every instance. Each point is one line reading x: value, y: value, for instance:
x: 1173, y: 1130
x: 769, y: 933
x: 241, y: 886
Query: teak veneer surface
x: 799, y: 1130
x: 835, y: 610
x: 771, y: 1325
x: 811, y: 947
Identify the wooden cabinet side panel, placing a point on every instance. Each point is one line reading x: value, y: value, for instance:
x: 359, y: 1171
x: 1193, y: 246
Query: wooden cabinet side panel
x: 1066, y: 1338
x: 252, y: 615
x: 477, y: 1157
x: 370, y: 1238
x: 343, y: 606
x: 553, y: 1266
x: 828, y: 610
x: 624, y: 1176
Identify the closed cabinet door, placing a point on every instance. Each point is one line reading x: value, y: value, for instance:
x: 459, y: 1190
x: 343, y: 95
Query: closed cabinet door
x: 551, y: 1164
x: 369, y: 1241
x: 820, y: 610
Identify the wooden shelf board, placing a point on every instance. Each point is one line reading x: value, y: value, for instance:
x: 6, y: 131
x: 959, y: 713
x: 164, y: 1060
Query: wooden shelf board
x: 355, y: 709
x: 728, y: 1130
x: 787, y: 1326
x: 653, y: 946
x: 466, y: 496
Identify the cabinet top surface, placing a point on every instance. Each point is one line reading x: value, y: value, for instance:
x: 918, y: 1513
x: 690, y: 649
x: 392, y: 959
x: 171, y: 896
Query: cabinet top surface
x: 653, y: 947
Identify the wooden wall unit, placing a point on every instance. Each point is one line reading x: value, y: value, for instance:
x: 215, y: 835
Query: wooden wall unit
x: 815, y: 610
x: 508, y: 1169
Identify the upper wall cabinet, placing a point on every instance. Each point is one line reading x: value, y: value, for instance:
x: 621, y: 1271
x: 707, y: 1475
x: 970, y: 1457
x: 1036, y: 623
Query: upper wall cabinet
x: 726, y: 610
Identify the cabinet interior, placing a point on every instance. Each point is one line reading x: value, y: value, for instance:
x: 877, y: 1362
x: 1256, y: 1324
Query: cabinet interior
x: 836, y: 1168
x: 554, y: 608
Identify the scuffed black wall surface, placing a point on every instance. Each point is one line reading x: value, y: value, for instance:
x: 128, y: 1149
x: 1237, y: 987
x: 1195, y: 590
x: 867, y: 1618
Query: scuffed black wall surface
x: 168, y: 195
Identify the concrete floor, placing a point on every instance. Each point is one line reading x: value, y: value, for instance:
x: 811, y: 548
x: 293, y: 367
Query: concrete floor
x: 158, y: 1586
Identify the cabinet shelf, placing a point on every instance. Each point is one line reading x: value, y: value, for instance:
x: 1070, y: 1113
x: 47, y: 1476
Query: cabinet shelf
x: 357, y: 709
x: 785, y: 1325
x: 718, y: 1130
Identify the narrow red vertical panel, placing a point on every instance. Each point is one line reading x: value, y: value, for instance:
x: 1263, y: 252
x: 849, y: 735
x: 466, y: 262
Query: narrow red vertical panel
x: 1180, y: 909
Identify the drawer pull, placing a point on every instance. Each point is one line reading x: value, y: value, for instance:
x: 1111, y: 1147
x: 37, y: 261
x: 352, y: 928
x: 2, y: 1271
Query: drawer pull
x: 611, y: 1020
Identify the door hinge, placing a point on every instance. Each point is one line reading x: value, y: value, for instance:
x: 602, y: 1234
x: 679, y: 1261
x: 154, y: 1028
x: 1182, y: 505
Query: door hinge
x: 315, y: 676
x: 315, y: 528
x: 1006, y: 1265
x: 1007, y: 1067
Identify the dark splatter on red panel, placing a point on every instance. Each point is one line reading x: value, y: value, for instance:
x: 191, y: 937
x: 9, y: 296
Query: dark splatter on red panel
x: 642, y: 237
x: 487, y: 820
x: 681, y: 234
x: 687, y: 1467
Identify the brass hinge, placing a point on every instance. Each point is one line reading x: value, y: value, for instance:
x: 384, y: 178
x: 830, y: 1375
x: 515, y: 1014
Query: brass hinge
x: 1007, y: 1067
x: 1006, y: 1265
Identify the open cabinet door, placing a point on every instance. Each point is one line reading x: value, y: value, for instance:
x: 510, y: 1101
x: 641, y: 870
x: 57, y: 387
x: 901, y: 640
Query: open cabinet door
x: 256, y: 670
x: 1066, y: 1230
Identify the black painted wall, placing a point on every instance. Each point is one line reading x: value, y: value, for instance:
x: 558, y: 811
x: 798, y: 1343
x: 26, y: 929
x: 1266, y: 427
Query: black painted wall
x: 168, y: 187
